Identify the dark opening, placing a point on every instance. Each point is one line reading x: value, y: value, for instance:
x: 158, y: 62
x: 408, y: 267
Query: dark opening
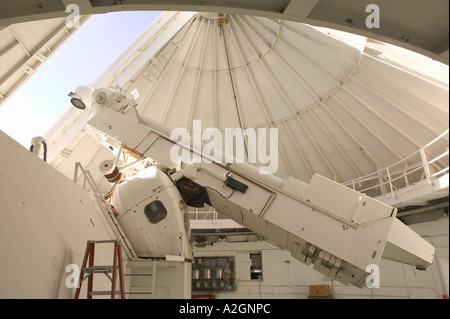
x: 155, y: 211
x: 256, y: 266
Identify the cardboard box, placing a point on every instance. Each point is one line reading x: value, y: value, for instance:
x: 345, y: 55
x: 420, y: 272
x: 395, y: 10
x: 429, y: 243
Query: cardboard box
x: 319, y: 290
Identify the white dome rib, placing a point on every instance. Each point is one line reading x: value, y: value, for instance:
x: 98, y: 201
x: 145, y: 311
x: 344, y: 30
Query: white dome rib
x: 340, y: 110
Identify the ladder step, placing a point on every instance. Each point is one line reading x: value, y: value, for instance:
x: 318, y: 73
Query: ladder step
x: 103, y: 292
x: 103, y: 241
x: 107, y: 293
x: 105, y: 269
x: 98, y: 269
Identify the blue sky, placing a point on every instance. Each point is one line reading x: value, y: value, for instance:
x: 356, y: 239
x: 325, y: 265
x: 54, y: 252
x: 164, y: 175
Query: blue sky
x: 79, y: 61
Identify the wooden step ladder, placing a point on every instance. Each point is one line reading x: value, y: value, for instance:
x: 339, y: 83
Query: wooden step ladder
x: 91, y: 270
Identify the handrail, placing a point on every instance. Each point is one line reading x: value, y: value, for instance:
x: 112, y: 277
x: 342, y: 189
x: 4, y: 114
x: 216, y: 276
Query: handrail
x: 87, y: 177
x: 397, y: 175
x: 206, y: 213
x: 105, y: 208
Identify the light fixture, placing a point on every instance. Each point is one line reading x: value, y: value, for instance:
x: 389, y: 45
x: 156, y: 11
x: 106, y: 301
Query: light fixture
x: 81, y: 98
x: 78, y: 103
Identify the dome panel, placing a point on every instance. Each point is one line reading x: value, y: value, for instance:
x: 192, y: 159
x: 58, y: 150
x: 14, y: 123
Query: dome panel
x: 383, y: 124
x: 271, y: 99
x: 369, y: 142
x: 209, y: 47
x: 327, y: 148
x: 297, y: 92
x: 159, y: 96
x: 375, y: 125
x: 341, y: 110
x: 308, y: 148
x: 264, y: 28
x: 426, y: 89
x: 249, y: 46
x: 295, y: 156
x: 348, y: 46
x: 205, y: 105
x: 404, y: 124
x: 410, y: 111
x: 197, y: 46
x: 316, y: 77
x: 227, y: 113
x: 185, y: 41
x: 413, y: 95
x: 336, y: 66
x: 284, y: 168
x: 252, y: 111
x: 182, y: 103
x: 359, y: 162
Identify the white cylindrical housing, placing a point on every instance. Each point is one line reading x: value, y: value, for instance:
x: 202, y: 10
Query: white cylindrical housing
x: 110, y: 171
x: 151, y: 216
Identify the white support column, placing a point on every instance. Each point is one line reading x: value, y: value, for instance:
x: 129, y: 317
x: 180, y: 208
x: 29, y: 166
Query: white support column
x: 426, y: 167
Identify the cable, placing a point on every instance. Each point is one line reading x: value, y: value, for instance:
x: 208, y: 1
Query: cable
x: 226, y: 197
x: 113, y: 188
x: 45, y: 150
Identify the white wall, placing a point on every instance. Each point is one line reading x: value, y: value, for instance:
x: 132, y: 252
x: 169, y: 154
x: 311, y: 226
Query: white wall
x: 437, y: 233
x: 171, y: 279
x: 45, y: 222
x: 285, y: 277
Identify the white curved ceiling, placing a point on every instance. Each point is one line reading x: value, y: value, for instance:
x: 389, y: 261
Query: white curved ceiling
x: 341, y: 110
x: 417, y: 25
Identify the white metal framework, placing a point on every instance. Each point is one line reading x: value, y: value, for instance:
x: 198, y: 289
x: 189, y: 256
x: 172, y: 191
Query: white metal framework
x: 418, y: 25
x: 25, y: 46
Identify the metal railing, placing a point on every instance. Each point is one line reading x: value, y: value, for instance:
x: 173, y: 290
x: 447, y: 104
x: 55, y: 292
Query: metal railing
x: 89, y: 184
x: 210, y: 214
x: 88, y: 180
x: 408, y: 171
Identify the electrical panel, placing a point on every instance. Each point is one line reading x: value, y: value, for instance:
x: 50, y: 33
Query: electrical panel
x: 214, y: 274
